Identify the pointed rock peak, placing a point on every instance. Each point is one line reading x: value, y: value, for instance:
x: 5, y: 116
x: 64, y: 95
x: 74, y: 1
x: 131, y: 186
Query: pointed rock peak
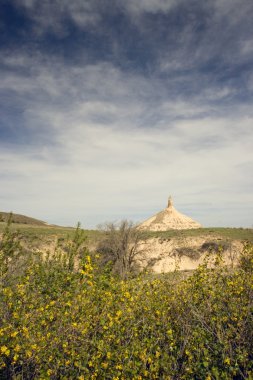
x: 170, y: 202
x: 168, y: 219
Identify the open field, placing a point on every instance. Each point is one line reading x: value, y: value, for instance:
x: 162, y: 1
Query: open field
x: 33, y: 231
x: 244, y: 234
x: 27, y: 230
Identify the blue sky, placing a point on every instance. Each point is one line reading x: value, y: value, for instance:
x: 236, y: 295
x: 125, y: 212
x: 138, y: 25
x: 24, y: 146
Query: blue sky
x: 108, y: 107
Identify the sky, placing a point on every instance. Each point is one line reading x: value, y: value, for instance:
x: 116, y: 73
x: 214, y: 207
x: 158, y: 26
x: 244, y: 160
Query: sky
x: 107, y: 107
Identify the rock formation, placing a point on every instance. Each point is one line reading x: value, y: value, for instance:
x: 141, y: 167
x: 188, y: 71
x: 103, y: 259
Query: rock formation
x: 168, y: 219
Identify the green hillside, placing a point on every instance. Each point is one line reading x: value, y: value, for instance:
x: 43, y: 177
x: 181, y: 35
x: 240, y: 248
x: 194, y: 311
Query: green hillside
x: 20, y: 219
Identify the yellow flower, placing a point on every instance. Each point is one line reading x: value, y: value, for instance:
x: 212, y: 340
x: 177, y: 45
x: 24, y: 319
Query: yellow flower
x: 25, y: 330
x: 227, y: 361
x: 5, y: 351
x: 28, y: 353
x: 7, y: 292
x: 17, y: 348
x: 15, y: 358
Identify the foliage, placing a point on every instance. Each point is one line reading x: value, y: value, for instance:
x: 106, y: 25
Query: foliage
x: 61, y: 321
x: 215, y: 246
x: 10, y: 250
x: 192, y: 253
x: 119, y: 246
x: 246, y: 259
x: 73, y: 248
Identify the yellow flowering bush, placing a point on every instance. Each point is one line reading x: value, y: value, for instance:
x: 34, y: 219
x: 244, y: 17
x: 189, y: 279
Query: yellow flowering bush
x: 63, y: 318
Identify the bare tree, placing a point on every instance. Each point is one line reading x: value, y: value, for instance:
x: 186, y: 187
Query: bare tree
x: 120, y: 246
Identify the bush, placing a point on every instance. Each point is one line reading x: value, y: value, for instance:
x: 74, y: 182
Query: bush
x: 119, y: 247
x: 62, y: 321
x: 10, y: 253
x: 215, y: 246
x: 192, y: 253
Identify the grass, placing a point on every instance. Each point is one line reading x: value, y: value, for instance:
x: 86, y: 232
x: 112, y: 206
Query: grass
x: 32, y: 234
x: 29, y: 230
x: 18, y: 218
x: 93, y: 236
x: 216, y: 232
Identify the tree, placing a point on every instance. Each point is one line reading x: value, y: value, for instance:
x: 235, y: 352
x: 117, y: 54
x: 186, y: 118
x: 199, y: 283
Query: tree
x: 120, y: 246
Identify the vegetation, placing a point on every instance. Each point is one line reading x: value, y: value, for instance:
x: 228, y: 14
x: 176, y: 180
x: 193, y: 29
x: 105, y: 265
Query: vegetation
x: 220, y: 233
x: 119, y: 246
x: 63, y: 316
x: 29, y: 230
x: 17, y: 218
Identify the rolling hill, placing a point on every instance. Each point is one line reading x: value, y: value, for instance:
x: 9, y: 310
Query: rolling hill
x: 21, y: 219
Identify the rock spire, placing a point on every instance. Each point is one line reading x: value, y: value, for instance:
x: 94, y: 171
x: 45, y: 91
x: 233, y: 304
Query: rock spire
x: 169, y: 219
x: 170, y: 202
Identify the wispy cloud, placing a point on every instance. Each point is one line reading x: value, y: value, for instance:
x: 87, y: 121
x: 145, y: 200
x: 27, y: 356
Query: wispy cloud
x: 105, y: 136
x: 149, y: 6
x: 51, y: 16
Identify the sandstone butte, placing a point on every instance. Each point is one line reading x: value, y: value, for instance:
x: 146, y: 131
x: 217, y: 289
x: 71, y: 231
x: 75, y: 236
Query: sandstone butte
x: 169, y: 219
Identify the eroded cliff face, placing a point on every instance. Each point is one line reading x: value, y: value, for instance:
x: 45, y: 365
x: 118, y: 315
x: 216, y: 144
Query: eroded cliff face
x: 160, y: 255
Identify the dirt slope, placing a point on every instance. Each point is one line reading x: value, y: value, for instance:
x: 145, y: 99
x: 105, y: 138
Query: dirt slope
x: 160, y: 255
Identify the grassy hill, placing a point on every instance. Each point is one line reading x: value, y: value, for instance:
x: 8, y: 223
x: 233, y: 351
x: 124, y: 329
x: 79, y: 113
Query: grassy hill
x: 245, y: 234
x: 31, y: 227
x: 21, y: 219
x: 39, y: 234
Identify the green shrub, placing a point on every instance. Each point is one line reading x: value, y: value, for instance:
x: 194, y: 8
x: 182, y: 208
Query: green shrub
x: 61, y: 321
